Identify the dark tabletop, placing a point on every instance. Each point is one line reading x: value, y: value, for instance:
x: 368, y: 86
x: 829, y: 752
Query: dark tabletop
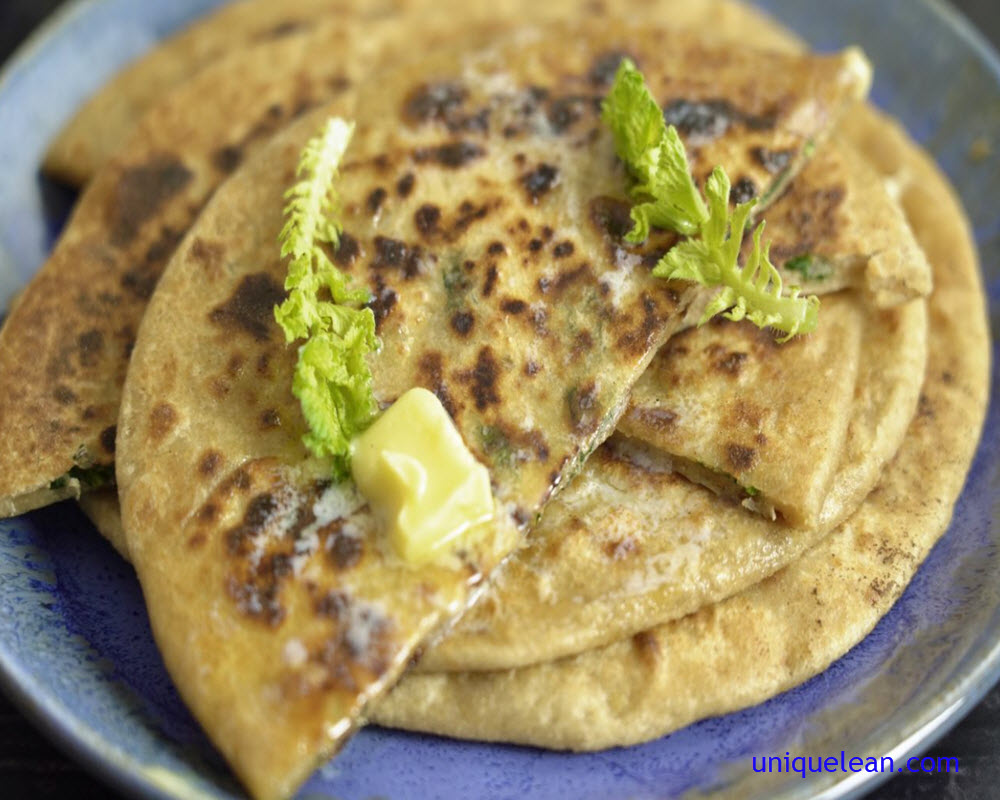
x: 31, y: 767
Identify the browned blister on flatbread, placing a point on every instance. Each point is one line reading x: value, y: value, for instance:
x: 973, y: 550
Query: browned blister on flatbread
x: 467, y: 196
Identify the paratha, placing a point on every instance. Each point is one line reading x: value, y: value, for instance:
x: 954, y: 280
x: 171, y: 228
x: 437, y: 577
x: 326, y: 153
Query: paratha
x: 831, y: 175
x: 66, y: 345
x: 797, y: 445
x: 832, y: 210
x: 607, y: 562
x: 219, y: 499
x: 793, y: 625
x: 104, y: 123
x: 631, y: 543
x: 603, y: 565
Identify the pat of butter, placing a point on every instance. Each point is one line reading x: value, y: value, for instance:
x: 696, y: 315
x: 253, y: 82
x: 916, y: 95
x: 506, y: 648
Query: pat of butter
x: 419, y: 478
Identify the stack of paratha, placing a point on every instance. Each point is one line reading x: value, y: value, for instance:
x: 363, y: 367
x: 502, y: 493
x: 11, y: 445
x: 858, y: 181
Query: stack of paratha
x: 692, y: 518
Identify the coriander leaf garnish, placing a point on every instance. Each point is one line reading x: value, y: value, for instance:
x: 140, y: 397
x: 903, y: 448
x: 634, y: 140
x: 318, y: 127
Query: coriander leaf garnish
x: 332, y: 379
x: 667, y: 197
x: 654, y: 155
x: 753, y: 291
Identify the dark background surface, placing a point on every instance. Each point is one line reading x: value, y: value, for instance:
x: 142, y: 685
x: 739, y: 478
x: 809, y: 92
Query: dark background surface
x: 31, y: 767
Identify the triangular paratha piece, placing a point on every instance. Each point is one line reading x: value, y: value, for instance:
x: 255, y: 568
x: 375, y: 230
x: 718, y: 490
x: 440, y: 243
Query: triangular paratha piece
x: 791, y: 446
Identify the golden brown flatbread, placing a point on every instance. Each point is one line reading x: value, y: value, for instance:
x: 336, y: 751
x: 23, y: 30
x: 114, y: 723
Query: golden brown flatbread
x: 631, y: 543
x: 496, y: 299
x: 793, y: 625
x: 833, y: 173
x: 66, y: 345
x: 105, y: 122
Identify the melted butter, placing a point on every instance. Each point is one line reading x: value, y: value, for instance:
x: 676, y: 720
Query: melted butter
x: 421, y: 481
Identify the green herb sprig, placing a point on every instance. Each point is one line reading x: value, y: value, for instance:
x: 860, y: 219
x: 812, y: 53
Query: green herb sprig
x: 666, y: 196
x: 332, y: 379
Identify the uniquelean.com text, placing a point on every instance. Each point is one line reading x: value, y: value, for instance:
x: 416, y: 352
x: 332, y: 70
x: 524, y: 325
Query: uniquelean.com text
x: 812, y: 765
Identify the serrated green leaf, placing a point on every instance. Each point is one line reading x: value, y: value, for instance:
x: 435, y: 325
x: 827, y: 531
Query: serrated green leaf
x: 665, y: 193
x: 667, y: 197
x: 332, y: 379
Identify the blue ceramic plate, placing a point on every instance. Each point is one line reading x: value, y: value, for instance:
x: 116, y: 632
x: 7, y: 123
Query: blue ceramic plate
x: 75, y: 645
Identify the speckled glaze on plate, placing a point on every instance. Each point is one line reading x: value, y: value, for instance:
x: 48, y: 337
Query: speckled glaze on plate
x: 75, y: 647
